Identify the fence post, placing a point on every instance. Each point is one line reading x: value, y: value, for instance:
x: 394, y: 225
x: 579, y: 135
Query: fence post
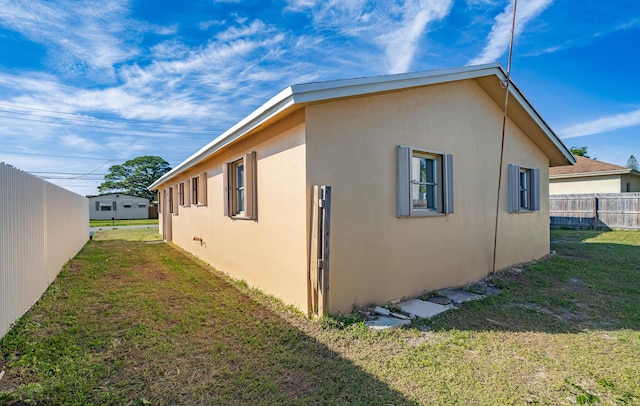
x: 595, y: 213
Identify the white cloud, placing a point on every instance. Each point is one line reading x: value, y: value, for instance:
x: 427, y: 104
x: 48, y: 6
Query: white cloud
x: 401, y: 44
x: 396, y: 27
x: 233, y: 33
x: 80, y: 36
x: 500, y: 34
x: 205, y: 25
x: 602, y: 125
x: 79, y: 143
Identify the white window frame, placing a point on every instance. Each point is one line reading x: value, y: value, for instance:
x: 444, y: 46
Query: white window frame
x: 239, y: 200
x: 181, y: 194
x: 524, y: 189
x: 406, y: 182
x: 198, y: 190
x: 240, y: 197
x: 173, y: 207
x: 195, y: 181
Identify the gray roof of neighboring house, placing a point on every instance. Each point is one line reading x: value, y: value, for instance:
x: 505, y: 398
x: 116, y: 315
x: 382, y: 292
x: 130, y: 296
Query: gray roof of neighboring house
x: 120, y: 194
x: 298, y: 96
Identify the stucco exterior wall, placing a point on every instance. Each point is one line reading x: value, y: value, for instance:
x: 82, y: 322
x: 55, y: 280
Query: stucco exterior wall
x: 375, y: 256
x: 591, y: 184
x: 270, y: 253
x: 634, y: 183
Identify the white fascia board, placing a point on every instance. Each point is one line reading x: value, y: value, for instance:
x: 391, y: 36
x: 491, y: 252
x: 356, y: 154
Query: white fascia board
x: 277, y: 104
x: 335, y: 89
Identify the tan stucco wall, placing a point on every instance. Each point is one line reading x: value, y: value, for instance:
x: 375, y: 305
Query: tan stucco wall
x: 634, y: 181
x: 270, y: 253
x: 591, y: 184
x: 375, y: 256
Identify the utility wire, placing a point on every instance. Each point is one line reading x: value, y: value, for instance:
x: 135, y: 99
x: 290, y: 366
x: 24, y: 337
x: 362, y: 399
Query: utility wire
x: 58, y: 156
x: 110, y: 129
x: 112, y: 119
x: 504, y: 125
x: 65, y: 173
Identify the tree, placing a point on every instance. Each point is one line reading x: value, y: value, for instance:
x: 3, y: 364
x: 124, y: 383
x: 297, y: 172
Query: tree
x: 632, y: 163
x: 134, y: 176
x: 580, y: 151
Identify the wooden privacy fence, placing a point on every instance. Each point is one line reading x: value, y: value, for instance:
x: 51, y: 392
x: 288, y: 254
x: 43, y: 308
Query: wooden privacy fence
x: 616, y: 211
x: 42, y: 226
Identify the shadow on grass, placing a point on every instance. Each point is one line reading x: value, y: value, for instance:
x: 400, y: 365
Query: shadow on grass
x: 129, y: 322
x: 591, y: 282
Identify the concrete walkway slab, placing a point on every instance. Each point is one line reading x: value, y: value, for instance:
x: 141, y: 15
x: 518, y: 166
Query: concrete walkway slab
x: 459, y: 296
x: 422, y: 309
x: 385, y: 322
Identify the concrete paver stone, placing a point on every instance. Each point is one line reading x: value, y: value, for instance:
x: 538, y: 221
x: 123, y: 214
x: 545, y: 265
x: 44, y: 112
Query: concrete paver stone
x: 385, y: 322
x: 422, y: 309
x: 459, y: 295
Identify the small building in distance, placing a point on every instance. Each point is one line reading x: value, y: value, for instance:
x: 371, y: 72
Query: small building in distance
x: 118, y: 206
x: 592, y: 176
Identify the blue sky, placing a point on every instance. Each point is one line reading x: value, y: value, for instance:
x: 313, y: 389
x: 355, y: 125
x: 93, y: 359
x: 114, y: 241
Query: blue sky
x: 86, y: 85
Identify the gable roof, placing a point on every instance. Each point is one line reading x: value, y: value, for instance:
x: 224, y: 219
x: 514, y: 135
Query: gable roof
x: 588, y: 167
x: 491, y: 77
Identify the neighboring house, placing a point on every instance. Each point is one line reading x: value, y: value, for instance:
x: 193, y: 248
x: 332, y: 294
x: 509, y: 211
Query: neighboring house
x: 398, y: 151
x: 118, y: 206
x: 592, y: 176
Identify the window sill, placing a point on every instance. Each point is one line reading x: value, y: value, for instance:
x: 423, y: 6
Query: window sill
x: 201, y: 205
x: 426, y: 214
x: 241, y: 218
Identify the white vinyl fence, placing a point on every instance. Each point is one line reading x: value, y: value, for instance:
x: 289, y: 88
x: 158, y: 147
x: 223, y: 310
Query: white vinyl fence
x: 42, y: 226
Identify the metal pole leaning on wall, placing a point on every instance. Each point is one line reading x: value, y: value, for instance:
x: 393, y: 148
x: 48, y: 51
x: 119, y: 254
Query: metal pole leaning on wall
x: 323, y: 263
x: 319, y: 250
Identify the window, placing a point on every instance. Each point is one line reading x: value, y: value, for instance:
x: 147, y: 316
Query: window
x: 127, y: 203
x: 425, y: 182
x: 105, y: 205
x: 181, y: 193
x: 628, y: 187
x: 238, y: 186
x: 142, y: 205
x: 199, y: 189
x: 194, y: 189
x: 524, y: 189
x: 171, y: 201
x: 239, y: 179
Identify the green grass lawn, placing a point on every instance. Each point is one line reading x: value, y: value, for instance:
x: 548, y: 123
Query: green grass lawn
x: 141, y: 322
x: 134, y: 222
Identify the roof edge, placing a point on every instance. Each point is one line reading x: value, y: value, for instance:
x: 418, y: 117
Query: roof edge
x: 275, y: 105
x: 296, y: 96
x: 593, y: 174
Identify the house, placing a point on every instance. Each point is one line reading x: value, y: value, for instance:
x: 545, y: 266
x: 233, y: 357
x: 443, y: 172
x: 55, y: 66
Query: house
x: 592, y: 176
x: 118, y: 206
x: 412, y: 162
